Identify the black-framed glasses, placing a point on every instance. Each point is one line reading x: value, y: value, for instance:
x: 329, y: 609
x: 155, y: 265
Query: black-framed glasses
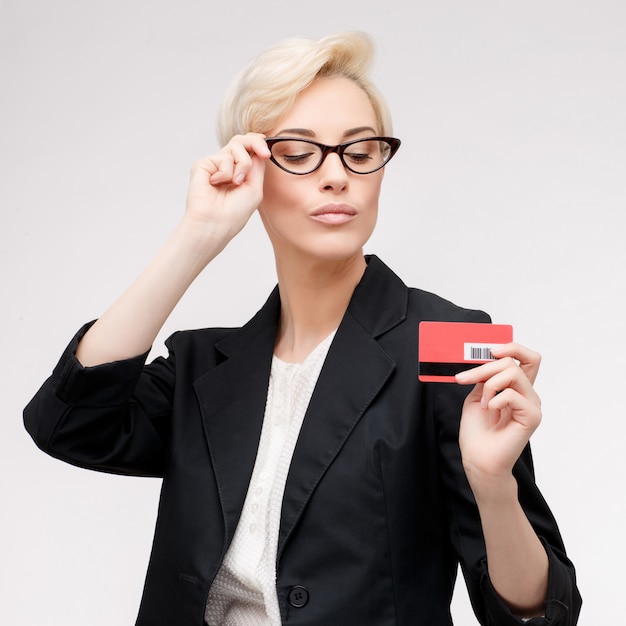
x: 303, y: 156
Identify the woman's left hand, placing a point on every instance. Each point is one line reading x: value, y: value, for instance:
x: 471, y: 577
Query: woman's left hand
x: 500, y: 414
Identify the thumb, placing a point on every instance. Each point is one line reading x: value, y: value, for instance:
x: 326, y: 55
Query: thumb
x: 476, y: 394
x: 256, y: 173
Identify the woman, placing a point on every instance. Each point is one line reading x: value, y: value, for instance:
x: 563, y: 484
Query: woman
x: 308, y: 476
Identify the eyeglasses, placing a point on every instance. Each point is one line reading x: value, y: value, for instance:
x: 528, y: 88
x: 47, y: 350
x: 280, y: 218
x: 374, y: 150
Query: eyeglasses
x: 303, y: 156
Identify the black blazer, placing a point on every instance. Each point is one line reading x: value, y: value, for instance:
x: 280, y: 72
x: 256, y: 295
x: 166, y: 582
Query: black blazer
x: 377, y: 511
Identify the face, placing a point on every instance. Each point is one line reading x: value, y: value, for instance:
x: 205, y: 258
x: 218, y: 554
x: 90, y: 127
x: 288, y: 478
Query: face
x: 330, y: 213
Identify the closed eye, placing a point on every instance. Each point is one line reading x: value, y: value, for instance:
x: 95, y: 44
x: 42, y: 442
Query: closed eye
x: 357, y: 157
x: 296, y: 158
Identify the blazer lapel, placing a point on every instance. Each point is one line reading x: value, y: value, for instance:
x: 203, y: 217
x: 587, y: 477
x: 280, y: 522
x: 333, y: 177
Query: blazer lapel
x: 354, y: 372
x: 232, y: 399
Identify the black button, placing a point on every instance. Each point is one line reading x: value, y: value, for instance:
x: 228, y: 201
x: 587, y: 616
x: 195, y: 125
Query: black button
x: 298, y: 596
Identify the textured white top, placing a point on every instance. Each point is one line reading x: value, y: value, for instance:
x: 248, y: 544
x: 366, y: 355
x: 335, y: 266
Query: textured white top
x: 244, y: 590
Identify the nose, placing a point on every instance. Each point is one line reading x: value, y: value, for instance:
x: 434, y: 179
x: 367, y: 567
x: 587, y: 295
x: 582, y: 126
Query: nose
x: 333, y: 176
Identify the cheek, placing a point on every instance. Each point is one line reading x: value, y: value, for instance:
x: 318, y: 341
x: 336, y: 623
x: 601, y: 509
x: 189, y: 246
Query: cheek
x: 276, y: 190
x: 277, y: 208
x: 372, y: 192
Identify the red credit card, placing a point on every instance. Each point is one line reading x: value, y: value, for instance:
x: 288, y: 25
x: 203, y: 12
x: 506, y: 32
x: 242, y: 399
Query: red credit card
x: 447, y: 348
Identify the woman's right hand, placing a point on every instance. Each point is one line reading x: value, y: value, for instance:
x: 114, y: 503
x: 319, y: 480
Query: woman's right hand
x: 227, y: 187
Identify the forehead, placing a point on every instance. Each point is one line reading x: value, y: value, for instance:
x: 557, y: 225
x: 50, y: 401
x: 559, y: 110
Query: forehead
x: 329, y: 106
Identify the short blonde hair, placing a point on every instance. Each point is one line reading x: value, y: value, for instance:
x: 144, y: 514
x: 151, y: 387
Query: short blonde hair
x: 264, y: 90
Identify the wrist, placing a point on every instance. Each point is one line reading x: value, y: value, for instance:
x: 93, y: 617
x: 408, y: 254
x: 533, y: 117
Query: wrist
x: 493, y: 490
x: 198, y: 241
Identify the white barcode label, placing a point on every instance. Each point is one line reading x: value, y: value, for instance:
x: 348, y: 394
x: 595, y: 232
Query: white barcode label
x: 479, y: 351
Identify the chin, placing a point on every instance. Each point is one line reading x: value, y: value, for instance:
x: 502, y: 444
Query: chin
x: 335, y: 251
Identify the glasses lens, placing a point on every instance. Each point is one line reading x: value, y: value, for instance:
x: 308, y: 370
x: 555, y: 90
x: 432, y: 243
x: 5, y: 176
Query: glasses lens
x: 367, y: 155
x: 297, y: 156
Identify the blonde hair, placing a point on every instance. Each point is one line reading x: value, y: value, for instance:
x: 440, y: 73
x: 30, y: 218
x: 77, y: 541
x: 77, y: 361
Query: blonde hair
x: 264, y: 90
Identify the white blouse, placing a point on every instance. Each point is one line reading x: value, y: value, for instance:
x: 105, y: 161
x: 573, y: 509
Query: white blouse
x: 244, y: 590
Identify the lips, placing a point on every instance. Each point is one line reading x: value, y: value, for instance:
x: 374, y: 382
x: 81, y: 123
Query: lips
x: 334, y: 213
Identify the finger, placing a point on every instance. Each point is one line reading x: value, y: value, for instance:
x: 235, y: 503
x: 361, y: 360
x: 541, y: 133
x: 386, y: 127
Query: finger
x: 529, y: 360
x: 483, y: 372
x: 256, y: 173
x: 203, y: 167
x: 509, y: 378
x: 258, y: 145
x: 251, y: 143
x: 510, y: 405
x: 224, y: 169
x: 238, y: 156
x: 242, y: 162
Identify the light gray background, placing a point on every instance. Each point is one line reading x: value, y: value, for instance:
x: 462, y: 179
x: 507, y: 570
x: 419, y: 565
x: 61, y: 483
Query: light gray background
x: 508, y: 194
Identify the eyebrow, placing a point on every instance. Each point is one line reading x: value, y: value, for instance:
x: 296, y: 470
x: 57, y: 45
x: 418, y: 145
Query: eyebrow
x: 307, y: 132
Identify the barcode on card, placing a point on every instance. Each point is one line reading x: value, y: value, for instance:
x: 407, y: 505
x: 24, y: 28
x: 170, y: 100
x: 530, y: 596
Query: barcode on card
x: 478, y: 351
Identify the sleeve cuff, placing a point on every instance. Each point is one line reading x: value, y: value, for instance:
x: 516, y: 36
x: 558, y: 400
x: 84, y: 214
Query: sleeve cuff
x: 556, y: 608
x: 102, y: 385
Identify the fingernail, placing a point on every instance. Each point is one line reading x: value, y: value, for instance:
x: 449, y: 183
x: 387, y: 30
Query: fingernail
x: 238, y: 179
x: 483, y: 402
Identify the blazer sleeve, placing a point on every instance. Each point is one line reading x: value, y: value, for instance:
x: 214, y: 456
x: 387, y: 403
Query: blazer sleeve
x: 563, y: 601
x: 112, y: 417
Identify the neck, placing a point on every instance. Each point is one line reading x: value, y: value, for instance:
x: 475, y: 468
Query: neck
x: 314, y: 296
